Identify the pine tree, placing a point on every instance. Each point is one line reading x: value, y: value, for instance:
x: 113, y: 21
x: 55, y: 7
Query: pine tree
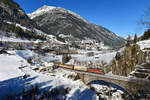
x: 135, y: 38
x: 128, y: 40
x: 146, y: 35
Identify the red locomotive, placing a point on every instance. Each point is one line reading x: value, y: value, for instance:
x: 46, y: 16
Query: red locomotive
x: 100, y: 71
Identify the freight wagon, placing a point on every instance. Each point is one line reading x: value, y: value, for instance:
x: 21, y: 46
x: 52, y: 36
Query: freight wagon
x: 80, y: 68
x: 65, y: 66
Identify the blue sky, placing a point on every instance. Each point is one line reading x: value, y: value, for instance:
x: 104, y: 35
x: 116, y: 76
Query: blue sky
x: 119, y: 16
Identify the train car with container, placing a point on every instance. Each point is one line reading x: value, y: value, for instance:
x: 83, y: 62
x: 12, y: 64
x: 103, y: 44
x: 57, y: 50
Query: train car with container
x: 80, y: 68
x: 66, y: 66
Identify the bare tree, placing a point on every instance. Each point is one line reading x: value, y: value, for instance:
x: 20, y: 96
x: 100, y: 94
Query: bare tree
x: 145, y: 20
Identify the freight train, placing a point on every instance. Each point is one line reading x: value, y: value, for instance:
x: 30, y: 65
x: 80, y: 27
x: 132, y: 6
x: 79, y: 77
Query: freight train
x: 80, y: 68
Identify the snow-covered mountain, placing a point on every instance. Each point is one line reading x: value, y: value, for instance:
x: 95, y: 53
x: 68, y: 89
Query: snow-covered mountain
x: 45, y: 9
x: 14, y: 22
x: 57, y: 20
x: 15, y: 25
x: 40, y: 11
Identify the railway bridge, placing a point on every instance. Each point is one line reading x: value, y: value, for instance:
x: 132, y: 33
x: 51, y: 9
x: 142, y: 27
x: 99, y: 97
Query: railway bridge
x: 130, y: 85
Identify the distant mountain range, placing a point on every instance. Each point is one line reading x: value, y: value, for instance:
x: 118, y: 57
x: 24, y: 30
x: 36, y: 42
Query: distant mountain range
x: 52, y: 21
x: 56, y: 21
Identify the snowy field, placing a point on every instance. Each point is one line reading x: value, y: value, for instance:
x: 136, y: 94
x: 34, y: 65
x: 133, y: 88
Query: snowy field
x: 144, y: 44
x: 98, y: 58
x: 10, y: 39
x: 12, y: 81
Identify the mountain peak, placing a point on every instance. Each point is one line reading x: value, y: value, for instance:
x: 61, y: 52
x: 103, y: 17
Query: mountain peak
x: 42, y: 10
x: 45, y: 7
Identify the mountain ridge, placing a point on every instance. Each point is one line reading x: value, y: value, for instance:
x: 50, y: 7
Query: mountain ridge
x: 15, y: 23
x: 44, y: 9
x: 61, y: 21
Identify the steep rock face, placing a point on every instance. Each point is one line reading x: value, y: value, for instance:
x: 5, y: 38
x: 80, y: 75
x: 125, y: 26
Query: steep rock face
x: 11, y: 11
x: 53, y: 20
x: 14, y: 23
x: 126, y: 60
x: 132, y: 59
x: 142, y: 71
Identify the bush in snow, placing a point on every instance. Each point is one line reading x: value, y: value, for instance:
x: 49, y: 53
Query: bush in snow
x: 65, y: 58
x: 29, y: 60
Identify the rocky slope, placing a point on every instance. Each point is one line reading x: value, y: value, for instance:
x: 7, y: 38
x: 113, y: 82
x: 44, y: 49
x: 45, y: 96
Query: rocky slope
x: 11, y: 11
x: 141, y: 71
x: 15, y: 23
x: 126, y: 60
x: 56, y: 20
x: 130, y: 57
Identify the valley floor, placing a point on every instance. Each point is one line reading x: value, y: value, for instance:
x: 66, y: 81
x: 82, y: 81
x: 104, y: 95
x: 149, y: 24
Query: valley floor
x: 14, y: 67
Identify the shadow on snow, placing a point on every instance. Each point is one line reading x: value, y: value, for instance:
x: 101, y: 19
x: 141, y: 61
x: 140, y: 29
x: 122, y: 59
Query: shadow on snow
x: 109, y: 84
x: 15, y: 86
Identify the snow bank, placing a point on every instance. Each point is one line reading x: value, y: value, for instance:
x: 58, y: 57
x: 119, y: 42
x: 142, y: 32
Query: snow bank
x: 11, y: 39
x: 10, y: 75
x: 9, y: 67
x: 144, y: 44
x: 26, y: 54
